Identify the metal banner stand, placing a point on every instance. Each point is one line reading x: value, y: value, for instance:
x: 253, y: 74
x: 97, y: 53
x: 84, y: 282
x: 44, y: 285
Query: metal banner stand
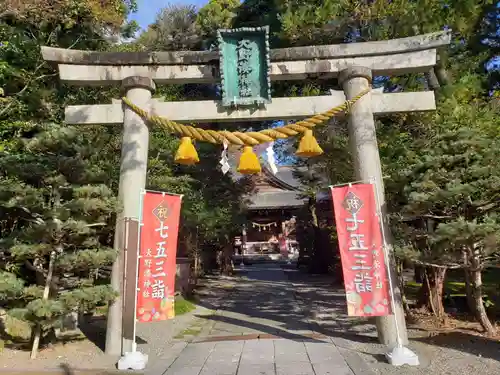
x: 400, y: 355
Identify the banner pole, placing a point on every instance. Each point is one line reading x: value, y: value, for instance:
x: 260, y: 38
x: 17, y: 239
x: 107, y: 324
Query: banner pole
x: 353, y: 182
x: 399, y: 355
x: 143, y: 193
x: 387, y: 263
x: 163, y: 193
x: 348, y: 183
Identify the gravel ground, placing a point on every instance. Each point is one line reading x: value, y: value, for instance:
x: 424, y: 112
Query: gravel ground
x: 160, y: 340
x: 452, y: 351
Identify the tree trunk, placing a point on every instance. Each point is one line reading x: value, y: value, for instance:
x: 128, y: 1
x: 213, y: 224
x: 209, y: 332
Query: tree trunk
x: 431, y: 292
x: 227, y: 262
x: 401, y: 283
x: 477, y: 293
x: 468, y: 284
x: 441, y: 74
x: 320, y: 256
x: 432, y: 80
x: 418, y: 274
x: 38, y: 327
x: 197, y: 262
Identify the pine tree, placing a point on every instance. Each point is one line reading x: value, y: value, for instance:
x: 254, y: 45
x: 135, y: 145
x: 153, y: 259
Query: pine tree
x: 448, y: 198
x: 53, y: 187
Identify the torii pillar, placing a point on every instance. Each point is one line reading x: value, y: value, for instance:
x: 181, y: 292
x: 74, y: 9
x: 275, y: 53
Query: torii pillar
x: 133, y: 171
x: 364, y: 148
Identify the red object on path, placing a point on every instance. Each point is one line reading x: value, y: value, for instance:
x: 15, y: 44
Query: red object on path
x: 157, y: 256
x: 361, y: 250
x: 282, y: 245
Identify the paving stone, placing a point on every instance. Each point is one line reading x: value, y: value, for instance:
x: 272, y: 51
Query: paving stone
x: 259, y: 345
x: 159, y: 364
x: 257, y: 352
x: 331, y: 368
x: 294, y: 368
x: 219, y: 368
x: 229, y: 346
x: 355, y: 362
x: 290, y: 351
x: 157, y: 368
x: 320, y: 352
x: 263, y: 304
x: 183, y: 370
x: 228, y: 352
x: 260, y: 369
x: 194, y: 354
x: 255, y: 358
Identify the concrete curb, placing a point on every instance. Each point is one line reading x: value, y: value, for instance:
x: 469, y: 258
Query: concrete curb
x: 69, y: 371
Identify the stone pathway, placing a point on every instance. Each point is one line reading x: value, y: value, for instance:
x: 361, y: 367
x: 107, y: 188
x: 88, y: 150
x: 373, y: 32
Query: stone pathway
x: 260, y: 328
x: 440, y: 353
x: 269, y: 320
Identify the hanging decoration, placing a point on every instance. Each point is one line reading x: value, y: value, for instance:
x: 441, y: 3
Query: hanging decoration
x: 264, y: 227
x: 224, y: 162
x: 186, y: 154
x: 270, y: 158
x: 249, y: 162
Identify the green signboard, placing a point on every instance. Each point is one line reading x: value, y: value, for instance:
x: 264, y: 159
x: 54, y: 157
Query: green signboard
x: 244, y: 66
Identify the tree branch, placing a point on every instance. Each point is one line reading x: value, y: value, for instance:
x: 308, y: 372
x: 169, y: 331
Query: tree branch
x: 32, y: 80
x: 488, y: 207
x: 427, y: 264
x: 96, y: 225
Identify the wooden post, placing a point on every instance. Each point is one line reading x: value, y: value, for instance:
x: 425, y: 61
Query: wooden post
x: 133, y: 170
x: 364, y: 148
x: 131, y: 250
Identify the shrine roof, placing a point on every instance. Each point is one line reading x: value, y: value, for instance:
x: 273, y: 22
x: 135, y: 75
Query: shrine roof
x: 276, y: 200
x: 285, y: 175
x: 286, y: 187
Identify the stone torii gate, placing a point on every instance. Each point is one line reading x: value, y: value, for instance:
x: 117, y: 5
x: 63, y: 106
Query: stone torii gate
x: 354, y: 65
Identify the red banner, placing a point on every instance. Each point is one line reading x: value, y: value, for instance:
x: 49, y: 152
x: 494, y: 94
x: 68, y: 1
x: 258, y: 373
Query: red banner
x: 157, y: 256
x: 361, y: 250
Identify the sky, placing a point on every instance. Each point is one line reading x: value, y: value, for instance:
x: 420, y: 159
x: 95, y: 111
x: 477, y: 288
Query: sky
x: 147, y: 9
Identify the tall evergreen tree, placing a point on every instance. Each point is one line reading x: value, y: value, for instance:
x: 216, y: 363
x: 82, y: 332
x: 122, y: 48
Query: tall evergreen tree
x: 56, y: 202
x: 54, y: 252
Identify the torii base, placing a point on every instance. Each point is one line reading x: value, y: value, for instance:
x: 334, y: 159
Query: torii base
x: 401, y: 355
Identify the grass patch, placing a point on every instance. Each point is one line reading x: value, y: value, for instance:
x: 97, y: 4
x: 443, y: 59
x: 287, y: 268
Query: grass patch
x: 183, y: 306
x: 451, y: 288
x: 411, y: 289
x: 193, y: 331
x: 101, y: 310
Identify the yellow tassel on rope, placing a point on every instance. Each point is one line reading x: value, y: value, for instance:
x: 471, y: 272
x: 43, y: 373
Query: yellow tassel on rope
x: 186, y: 153
x: 249, y: 162
x: 308, y: 146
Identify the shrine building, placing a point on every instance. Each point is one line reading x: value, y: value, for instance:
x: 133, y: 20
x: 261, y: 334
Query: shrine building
x: 272, y: 209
